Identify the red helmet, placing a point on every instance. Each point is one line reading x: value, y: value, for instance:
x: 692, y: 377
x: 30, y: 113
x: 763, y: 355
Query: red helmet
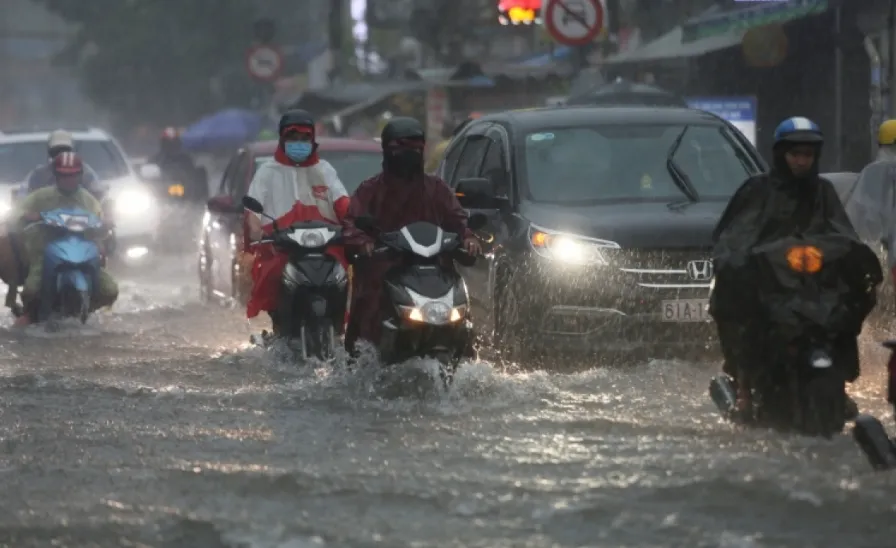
x: 170, y: 134
x: 68, y: 163
x: 67, y: 166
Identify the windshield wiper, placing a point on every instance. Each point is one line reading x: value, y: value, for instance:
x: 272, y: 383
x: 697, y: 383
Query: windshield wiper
x: 679, y: 177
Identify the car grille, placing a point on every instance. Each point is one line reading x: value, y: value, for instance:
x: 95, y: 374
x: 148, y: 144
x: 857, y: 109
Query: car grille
x: 676, y: 269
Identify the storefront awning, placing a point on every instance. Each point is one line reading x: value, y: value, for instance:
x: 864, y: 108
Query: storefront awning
x: 672, y: 46
x: 718, y: 30
x: 743, y: 19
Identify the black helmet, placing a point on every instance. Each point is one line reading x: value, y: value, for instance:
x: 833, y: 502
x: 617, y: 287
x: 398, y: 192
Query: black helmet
x: 402, y: 128
x: 295, y: 117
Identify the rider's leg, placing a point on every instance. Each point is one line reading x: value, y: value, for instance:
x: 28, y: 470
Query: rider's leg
x: 31, y: 289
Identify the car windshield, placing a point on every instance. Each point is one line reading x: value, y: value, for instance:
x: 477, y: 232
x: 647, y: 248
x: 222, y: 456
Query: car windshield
x: 627, y: 163
x: 353, y: 166
x: 18, y: 159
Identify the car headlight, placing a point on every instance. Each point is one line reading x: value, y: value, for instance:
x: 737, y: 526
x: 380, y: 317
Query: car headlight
x: 568, y: 248
x: 133, y: 201
x: 5, y: 208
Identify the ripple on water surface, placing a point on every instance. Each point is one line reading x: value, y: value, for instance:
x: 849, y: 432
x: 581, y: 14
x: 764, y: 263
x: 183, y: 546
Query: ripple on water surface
x: 188, y: 446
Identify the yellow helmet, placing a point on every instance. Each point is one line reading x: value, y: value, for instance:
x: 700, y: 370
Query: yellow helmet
x: 886, y: 135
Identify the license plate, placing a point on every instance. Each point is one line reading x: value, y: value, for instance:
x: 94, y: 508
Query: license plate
x: 686, y: 310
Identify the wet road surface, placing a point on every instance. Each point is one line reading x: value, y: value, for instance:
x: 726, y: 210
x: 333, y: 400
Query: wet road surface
x: 157, y: 426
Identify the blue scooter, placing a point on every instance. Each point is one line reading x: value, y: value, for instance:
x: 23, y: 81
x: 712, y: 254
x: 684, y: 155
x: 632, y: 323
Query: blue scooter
x: 72, y: 262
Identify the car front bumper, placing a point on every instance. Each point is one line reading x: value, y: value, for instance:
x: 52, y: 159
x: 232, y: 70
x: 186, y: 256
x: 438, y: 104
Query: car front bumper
x: 606, y: 308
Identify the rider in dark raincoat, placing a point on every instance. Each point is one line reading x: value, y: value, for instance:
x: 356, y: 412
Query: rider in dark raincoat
x: 398, y: 196
x: 791, y: 199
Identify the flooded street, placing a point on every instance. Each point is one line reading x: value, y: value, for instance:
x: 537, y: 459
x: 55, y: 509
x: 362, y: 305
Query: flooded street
x: 158, y: 426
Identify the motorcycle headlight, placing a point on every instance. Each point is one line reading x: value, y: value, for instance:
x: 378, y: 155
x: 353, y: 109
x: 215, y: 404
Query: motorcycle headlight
x: 568, y: 248
x: 133, y: 201
x: 312, y: 239
x: 434, y: 313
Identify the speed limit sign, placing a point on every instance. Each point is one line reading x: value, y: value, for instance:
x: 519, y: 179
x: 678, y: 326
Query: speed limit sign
x: 264, y: 62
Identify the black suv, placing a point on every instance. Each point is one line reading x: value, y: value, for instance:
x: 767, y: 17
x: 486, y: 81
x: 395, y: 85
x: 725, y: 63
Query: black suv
x: 602, y: 220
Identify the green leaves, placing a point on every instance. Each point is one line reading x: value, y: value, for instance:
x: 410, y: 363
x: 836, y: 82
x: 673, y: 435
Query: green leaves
x: 155, y: 60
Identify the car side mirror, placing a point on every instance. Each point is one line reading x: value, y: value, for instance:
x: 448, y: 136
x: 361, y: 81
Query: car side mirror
x: 477, y: 193
x: 252, y: 205
x: 223, y: 204
x: 150, y: 172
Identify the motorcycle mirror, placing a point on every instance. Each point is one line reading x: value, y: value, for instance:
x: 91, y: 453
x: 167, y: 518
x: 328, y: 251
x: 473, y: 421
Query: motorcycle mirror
x: 253, y: 205
x: 477, y: 221
x: 365, y: 223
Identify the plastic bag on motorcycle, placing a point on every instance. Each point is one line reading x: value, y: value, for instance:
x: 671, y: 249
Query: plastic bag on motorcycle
x: 827, y: 283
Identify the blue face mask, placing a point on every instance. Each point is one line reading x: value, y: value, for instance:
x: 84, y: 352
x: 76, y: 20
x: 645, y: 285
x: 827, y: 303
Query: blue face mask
x: 298, y: 151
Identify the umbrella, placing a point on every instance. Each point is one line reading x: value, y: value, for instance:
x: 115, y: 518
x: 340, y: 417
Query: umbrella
x: 621, y: 93
x: 226, y: 128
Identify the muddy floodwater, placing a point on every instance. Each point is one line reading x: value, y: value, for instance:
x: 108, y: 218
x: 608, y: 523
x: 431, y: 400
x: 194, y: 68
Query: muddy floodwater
x: 158, y: 425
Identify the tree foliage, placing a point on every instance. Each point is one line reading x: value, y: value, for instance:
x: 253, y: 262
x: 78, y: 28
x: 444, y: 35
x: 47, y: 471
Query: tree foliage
x: 155, y: 60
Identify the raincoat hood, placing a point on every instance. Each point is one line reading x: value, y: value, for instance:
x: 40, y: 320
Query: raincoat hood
x: 280, y: 154
x: 296, y: 120
x: 780, y: 169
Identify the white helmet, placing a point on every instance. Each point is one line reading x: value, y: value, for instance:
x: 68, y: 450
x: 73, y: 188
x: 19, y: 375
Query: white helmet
x: 60, y: 138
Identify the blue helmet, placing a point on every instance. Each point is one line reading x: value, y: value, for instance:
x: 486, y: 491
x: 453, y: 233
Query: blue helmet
x: 799, y: 130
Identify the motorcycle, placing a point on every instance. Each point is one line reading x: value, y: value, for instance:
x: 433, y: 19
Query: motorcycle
x: 72, y: 261
x: 314, y: 287
x: 108, y: 205
x: 869, y: 432
x: 815, y: 295
x: 182, y: 201
x: 428, y: 308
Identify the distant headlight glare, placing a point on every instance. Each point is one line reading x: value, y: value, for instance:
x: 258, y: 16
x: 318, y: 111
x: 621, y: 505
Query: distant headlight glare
x: 133, y: 201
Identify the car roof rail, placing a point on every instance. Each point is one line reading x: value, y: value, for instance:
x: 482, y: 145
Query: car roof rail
x: 45, y: 129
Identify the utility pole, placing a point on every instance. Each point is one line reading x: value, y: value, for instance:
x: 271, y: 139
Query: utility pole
x: 891, y: 60
x: 336, y: 21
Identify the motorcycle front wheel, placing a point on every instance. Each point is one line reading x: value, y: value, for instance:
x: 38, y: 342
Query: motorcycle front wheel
x: 319, y: 341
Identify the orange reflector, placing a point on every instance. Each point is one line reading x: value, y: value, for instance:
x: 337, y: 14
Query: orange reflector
x: 539, y: 239
x: 805, y: 258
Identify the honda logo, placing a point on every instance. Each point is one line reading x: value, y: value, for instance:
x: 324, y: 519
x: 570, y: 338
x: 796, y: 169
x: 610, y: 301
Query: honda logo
x: 700, y: 271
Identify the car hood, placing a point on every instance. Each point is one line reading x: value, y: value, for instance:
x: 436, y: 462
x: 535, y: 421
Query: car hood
x: 632, y: 225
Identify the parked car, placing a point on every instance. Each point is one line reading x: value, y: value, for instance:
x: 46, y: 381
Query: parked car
x: 223, y: 263
x: 134, y: 209
x: 602, y: 219
x: 847, y: 189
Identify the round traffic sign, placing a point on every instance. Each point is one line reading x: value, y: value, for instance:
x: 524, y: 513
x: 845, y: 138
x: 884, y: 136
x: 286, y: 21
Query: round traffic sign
x: 574, y: 22
x: 264, y: 62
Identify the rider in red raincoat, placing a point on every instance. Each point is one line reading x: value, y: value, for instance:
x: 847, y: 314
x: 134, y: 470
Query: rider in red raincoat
x: 298, y: 186
x: 398, y: 196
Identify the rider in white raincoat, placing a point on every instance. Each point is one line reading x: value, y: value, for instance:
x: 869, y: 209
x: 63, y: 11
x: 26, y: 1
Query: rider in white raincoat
x: 296, y: 187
